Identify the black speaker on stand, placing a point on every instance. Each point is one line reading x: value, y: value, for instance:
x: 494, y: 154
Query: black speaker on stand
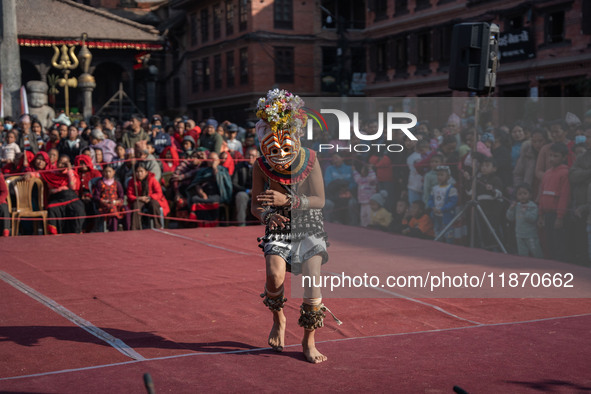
x: 473, y: 67
x: 474, y: 54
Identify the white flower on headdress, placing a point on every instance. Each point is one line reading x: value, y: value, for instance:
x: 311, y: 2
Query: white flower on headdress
x: 281, y: 109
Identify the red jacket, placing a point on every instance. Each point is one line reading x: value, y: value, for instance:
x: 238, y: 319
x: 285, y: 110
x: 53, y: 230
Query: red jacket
x: 154, y: 192
x: 555, y: 191
x: 3, y: 189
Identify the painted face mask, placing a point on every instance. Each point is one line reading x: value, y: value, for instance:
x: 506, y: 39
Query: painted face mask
x: 280, y: 148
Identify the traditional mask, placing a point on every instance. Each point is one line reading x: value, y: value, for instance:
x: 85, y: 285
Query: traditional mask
x: 280, y: 148
x: 281, y: 119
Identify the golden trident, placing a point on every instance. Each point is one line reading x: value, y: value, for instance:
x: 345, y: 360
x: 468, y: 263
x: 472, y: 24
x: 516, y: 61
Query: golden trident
x: 66, y: 65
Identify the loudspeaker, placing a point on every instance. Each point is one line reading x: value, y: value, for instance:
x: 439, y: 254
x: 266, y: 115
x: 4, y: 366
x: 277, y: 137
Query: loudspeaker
x: 469, y: 61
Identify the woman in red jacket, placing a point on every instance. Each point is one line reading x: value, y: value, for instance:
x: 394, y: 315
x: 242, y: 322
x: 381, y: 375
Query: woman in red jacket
x: 145, y: 194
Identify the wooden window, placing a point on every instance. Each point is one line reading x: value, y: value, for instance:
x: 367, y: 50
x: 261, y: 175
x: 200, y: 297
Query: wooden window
x: 217, y: 71
x: 554, y: 27
x: 422, y: 5
x: 424, y: 50
x: 243, y: 14
x: 243, y: 66
x: 284, y: 65
x: 229, y: 18
x: 400, y: 7
x: 283, y: 14
x: 193, y: 27
x: 217, y: 21
x: 381, y: 9
x: 230, y: 69
x: 204, y: 25
x: 205, y: 71
x: 195, y: 75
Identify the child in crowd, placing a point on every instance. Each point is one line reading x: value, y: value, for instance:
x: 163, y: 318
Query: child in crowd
x: 86, y: 173
x: 54, y: 155
x: 488, y: 139
x: 188, y: 147
x: 467, y: 143
x: 108, y: 196
x: 420, y: 224
x: 442, y: 202
x: 553, y: 201
x: 401, y: 213
x: 489, y: 195
x: 415, y: 179
x: 119, y: 158
x: 10, y: 150
x: 518, y: 137
x: 145, y: 194
x: 380, y: 217
x: 366, y: 181
x: 170, y: 159
x: 98, y: 159
x: 524, y: 212
x: 430, y: 178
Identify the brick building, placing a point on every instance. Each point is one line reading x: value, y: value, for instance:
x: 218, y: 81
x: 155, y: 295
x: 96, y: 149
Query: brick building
x: 224, y: 54
x: 545, y: 45
x: 236, y: 50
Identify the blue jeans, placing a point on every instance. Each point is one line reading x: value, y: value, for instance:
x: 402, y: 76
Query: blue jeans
x: 529, y: 247
x: 438, y: 226
x: 414, y: 196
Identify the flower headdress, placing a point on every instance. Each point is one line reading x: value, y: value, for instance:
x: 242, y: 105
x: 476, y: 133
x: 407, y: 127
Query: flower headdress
x: 282, y: 110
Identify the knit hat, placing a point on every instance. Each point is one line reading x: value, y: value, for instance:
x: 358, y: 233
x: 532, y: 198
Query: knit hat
x: 443, y: 168
x: 487, y: 137
x: 572, y: 119
x: 98, y: 134
x: 189, y: 138
x: 453, y: 120
x: 380, y: 197
x: 212, y: 122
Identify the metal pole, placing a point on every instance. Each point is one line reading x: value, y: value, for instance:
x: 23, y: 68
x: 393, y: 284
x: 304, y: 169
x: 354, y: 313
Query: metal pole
x: 10, y: 72
x: 472, y: 209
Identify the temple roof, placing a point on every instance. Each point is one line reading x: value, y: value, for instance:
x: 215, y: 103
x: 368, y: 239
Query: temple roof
x: 44, y: 22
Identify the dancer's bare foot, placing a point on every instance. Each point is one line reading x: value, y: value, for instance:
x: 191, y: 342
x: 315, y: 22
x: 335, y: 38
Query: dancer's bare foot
x: 313, y: 355
x: 310, y: 352
x: 277, y: 334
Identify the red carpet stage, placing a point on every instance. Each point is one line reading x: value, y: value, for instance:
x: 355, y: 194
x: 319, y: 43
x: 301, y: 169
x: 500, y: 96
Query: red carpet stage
x: 92, y: 313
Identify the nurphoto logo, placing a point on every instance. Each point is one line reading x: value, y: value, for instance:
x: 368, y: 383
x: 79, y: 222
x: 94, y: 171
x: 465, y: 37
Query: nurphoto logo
x: 388, y: 122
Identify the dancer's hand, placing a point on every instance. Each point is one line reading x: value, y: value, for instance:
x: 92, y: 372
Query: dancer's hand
x: 272, y: 198
x: 277, y: 221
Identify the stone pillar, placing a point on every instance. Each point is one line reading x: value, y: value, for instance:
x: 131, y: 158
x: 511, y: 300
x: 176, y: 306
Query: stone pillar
x: 86, y: 80
x: 87, y: 84
x: 151, y: 91
x: 10, y: 72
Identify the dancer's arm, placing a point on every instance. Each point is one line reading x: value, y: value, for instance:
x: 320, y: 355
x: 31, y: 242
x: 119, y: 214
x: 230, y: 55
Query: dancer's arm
x: 316, y: 187
x: 258, y: 185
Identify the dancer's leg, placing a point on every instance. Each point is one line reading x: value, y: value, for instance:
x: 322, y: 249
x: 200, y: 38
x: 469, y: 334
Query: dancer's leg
x: 274, y: 291
x: 312, y: 307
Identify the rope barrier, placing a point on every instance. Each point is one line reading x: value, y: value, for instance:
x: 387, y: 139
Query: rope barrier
x: 202, y: 160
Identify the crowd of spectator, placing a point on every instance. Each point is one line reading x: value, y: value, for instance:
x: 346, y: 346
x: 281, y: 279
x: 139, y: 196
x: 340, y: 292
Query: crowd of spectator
x: 532, y: 180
